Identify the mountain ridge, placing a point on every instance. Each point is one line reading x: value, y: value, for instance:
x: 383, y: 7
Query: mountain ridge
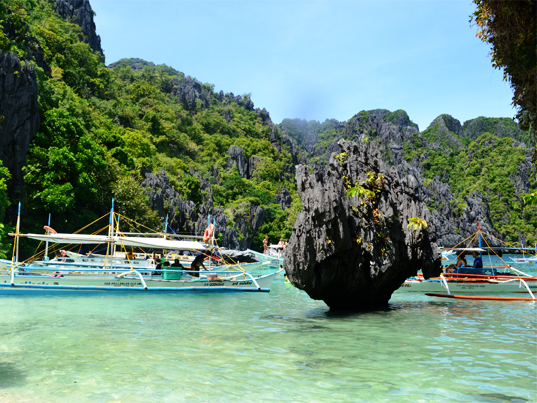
x: 160, y: 141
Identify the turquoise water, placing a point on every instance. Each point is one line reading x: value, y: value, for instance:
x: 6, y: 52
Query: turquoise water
x: 281, y: 347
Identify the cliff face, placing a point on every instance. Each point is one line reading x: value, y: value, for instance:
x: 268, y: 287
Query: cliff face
x: 403, y: 146
x: 353, y: 252
x: 81, y: 13
x: 20, y: 117
x: 184, y: 216
x: 501, y: 127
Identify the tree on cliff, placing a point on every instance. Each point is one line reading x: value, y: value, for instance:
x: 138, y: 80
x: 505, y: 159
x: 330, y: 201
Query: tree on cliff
x: 510, y: 28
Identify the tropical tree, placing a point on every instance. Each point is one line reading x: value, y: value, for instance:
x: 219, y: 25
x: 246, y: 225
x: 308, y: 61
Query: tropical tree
x: 510, y: 27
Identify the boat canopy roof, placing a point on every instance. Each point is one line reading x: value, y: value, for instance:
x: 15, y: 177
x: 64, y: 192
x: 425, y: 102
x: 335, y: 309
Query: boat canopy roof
x: 139, y: 242
x: 160, y: 243
x: 470, y: 249
x: 69, y: 238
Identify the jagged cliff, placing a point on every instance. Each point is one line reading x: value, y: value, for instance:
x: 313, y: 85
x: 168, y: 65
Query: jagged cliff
x: 353, y: 252
x: 184, y: 216
x: 421, y: 155
x: 220, y: 153
x: 81, y: 13
x: 19, y: 118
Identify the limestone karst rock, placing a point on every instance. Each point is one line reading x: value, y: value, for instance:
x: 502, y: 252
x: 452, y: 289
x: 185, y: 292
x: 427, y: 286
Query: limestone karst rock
x: 184, y: 216
x: 354, y: 252
x: 81, y: 13
x: 19, y: 117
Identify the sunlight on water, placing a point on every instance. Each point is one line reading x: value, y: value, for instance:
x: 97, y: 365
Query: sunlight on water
x: 281, y: 347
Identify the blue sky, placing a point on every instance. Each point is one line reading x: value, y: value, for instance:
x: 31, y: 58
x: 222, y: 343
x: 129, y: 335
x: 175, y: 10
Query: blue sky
x: 318, y: 60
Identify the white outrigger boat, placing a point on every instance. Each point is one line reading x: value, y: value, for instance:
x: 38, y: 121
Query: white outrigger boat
x: 532, y: 259
x: 469, y: 281
x: 77, y: 272
x: 271, y: 258
x: 525, y: 259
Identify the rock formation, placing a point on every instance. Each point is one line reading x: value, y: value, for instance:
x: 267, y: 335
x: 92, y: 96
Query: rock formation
x: 184, y: 216
x: 354, y: 252
x: 395, y: 134
x: 191, y: 92
x: 19, y: 117
x: 81, y: 13
x: 284, y: 198
x: 246, y: 167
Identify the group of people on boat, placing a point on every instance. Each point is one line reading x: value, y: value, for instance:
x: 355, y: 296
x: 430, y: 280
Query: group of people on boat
x: 282, y: 245
x: 195, y: 266
x: 461, y: 262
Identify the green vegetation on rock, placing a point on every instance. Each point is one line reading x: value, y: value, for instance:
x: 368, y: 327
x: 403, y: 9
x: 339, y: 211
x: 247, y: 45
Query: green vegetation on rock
x: 100, y: 126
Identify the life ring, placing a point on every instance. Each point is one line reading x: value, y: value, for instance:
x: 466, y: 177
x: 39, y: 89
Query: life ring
x: 209, y: 231
x: 49, y: 229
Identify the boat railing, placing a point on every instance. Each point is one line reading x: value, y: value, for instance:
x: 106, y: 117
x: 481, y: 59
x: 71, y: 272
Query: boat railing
x: 125, y: 271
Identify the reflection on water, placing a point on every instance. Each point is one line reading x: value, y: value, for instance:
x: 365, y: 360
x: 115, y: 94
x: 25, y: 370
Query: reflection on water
x: 280, y: 346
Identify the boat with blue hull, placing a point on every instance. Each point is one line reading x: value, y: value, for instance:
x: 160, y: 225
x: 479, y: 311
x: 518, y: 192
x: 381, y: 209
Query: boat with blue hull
x: 33, y: 281
x: 124, y: 271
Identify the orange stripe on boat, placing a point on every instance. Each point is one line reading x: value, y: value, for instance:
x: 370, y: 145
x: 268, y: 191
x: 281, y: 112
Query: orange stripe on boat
x: 479, y: 297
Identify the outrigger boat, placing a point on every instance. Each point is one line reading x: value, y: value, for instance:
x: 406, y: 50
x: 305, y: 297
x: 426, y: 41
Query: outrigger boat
x: 469, y: 280
x: 271, y: 258
x: 523, y: 259
x: 125, y: 273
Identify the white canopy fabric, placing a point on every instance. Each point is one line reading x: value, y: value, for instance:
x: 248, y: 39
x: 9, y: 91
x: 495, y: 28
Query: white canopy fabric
x: 470, y: 249
x: 139, y: 242
x: 160, y: 243
x: 69, y: 238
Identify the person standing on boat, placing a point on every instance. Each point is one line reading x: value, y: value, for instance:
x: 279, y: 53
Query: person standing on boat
x: 195, y: 265
x: 281, y: 246
x: 478, y: 262
x: 265, y: 245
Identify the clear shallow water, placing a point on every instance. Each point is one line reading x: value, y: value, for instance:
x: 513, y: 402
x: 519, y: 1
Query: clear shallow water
x: 281, y: 347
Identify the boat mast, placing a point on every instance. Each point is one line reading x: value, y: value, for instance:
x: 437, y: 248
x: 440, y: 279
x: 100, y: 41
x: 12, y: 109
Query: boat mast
x: 46, y: 243
x: 110, y: 233
x: 165, y: 228
x: 479, y: 236
x: 211, y: 240
x: 17, y: 235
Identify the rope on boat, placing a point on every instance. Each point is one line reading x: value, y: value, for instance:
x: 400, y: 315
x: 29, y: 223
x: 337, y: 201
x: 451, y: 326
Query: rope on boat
x: 512, y: 245
x: 485, y: 239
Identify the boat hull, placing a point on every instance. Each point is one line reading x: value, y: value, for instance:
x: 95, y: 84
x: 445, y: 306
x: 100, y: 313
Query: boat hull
x: 108, y: 283
x: 524, y: 260
x: 436, y: 286
x: 275, y: 260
